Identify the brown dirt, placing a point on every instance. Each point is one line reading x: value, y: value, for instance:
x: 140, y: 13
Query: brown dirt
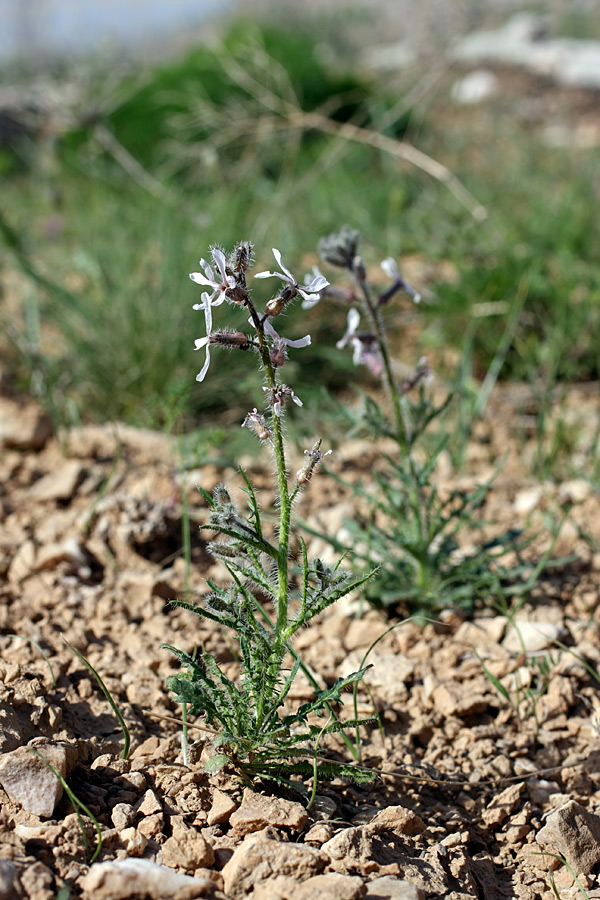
x: 90, y: 549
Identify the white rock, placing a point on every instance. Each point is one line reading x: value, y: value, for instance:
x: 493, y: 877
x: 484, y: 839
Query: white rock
x: 532, y: 636
x: 477, y: 86
x: 27, y: 779
x: 59, y: 484
x: 390, y: 888
x: 527, y: 500
x: 122, y: 878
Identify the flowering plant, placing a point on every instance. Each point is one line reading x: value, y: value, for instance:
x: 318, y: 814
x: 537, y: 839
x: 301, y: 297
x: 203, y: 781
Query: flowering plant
x: 264, y: 604
x: 411, y: 529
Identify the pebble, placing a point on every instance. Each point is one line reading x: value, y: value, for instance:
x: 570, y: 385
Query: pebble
x: 27, y: 779
x: 258, y: 811
x: 574, y: 833
x: 128, y: 878
x: 221, y: 809
x: 528, y: 637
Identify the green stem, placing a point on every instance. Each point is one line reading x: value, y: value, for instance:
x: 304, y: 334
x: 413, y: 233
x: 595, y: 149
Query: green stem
x: 400, y: 416
x: 284, y: 504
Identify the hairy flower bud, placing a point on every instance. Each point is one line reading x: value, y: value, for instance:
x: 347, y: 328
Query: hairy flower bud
x: 340, y: 248
x: 241, y: 257
x: 256, y: 422
x: 231, y: 339
x: 358, y: 267
x: 314, y: 456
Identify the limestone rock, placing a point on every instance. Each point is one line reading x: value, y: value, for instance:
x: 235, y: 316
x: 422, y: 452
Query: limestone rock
x: 259, y: 858
x: 531, y: 636
x: 59, y: 484
x: 502, y: 805
x: 23, y: 427
x: 27, y: 779
x: 574, y: 833
x: 186, y: 848
x: 397, y: 819
x: 8, y: 873
x: 330, y: 886
x: 390, y: 888
x: 454, y: 699
x: 257, y: 812
x: 222, y: 808
x: 123, y: 878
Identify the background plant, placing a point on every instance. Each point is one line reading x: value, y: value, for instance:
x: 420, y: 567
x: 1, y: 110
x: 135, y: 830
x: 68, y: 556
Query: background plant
x: 108, y: 206
x: 410, y: 528
x: 265, y: 602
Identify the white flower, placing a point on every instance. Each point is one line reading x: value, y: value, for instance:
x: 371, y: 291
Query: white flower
x: 208, y: 278
x: 353, y: 320
x: 279, y: 395
x: 364, y: 346
x: 316, y: 284
x: 281, y: 342
x: 311, y: 301
x: 198, y: 345
x: 206, y: 306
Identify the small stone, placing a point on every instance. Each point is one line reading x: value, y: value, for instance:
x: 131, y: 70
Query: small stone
x: 477, y: 86
x: 23, y: 427
x: 186, y: 849
x: 132, y: 878
x: 60, y: 484
x: 453, y: 699
x: 257, y: 812
x: 28, y: 780
x: 8, y: 874
x: 527, y: 637
x: 397, y: 819
x: 122, y: 815
x: 22, y: 564
x: 50, y: 555
x: 221, y: 809
x: 389, y: 888
x: 151, y: 825
x: 38, y: 882
x: 149, y: 804
x: 574, y: 833
x: 527, y: 500
x: 259, y: 859
x: 502, y: 805
x: 133, y: 841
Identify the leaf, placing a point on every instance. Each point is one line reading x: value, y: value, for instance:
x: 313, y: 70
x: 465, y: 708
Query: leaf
x: 217, y: 762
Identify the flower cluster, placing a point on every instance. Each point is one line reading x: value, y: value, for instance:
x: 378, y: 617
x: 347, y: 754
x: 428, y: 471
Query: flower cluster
x: 226, y: 280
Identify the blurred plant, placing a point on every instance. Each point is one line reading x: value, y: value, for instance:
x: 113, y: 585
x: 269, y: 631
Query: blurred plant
x: 409, y: 528
x: 253, y: 736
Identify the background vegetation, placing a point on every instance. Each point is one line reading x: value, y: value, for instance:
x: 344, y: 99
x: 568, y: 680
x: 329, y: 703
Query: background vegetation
x: 109, y: 205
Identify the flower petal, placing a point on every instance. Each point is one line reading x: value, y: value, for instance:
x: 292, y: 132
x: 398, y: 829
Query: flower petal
x: 289, y: 277
x: 390, y: 267
x: 300, y: 342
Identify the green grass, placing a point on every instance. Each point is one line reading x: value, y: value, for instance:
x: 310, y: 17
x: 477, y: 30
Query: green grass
x: 218, y: 166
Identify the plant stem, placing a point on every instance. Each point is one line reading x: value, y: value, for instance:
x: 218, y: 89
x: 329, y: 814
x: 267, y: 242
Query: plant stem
x: 400, y: 416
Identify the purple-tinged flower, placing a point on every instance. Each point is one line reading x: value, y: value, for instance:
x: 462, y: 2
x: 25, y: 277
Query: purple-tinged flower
x: 314, y: 456
x: 256, y: 421
x: 310, y: 278
x: 390, y: 268
x: 278, y: 351
x: 275, y: 306
x: 279, y: 395
x: 364, y: 345
x: 422, y: 372
x: 220, y: 285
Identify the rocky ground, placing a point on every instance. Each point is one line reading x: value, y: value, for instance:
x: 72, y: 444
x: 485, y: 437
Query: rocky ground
x: 470, y: 789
